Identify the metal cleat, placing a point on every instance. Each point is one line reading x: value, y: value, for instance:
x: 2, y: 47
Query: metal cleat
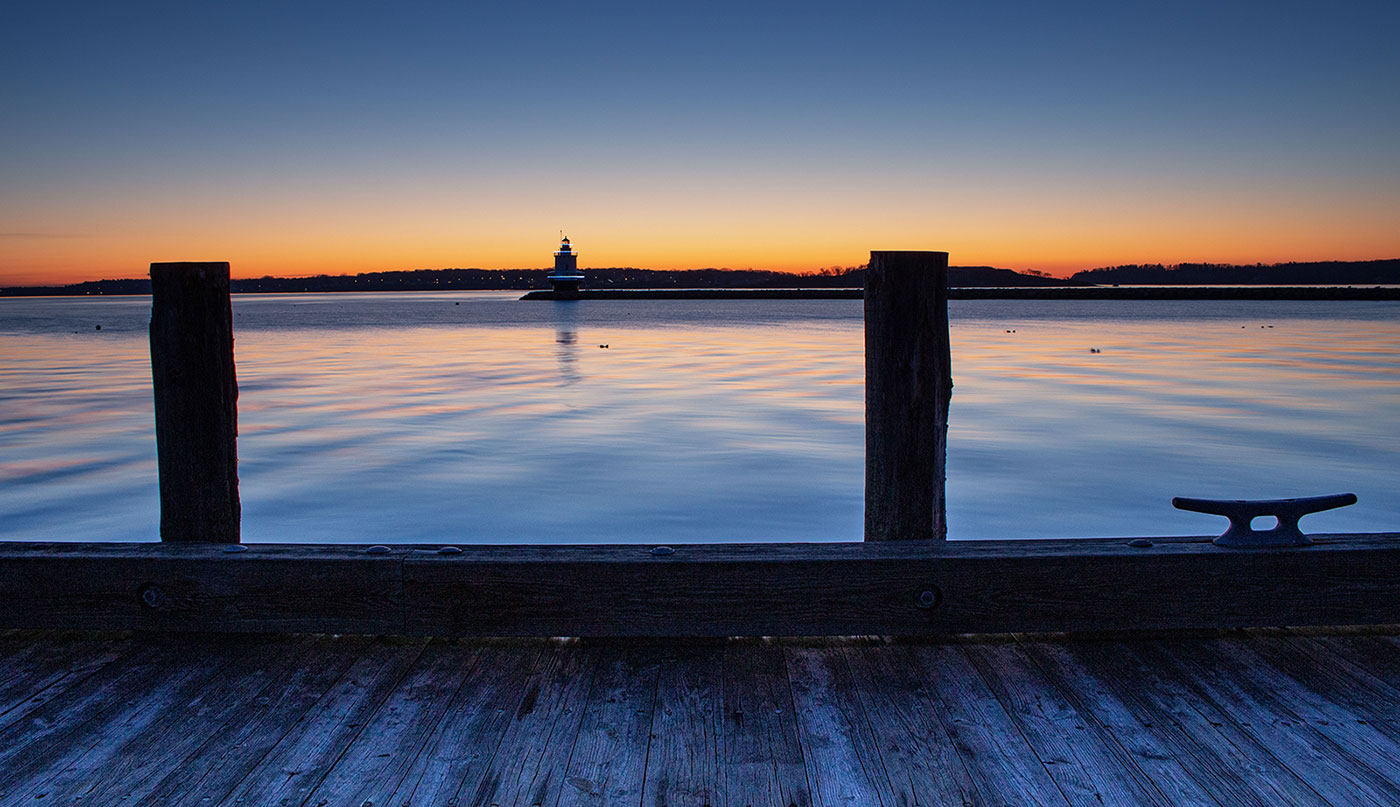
x: 1241, y: 535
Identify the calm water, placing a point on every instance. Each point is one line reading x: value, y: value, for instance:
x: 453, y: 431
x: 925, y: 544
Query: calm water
x: 472, y: 417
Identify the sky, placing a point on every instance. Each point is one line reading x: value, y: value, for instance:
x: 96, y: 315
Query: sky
x: 295, y: 138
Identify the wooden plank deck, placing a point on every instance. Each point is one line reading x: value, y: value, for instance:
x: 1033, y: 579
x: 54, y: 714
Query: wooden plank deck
x: 1264, y: 717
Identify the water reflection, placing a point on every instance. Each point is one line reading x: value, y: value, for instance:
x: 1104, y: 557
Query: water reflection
x: 407, y: 418
x: 566, y: 340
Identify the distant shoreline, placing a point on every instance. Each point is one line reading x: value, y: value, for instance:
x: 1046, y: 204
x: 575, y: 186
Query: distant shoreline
x: 1005, y: 293
x: 1354, y: 293
x: 833, y: 283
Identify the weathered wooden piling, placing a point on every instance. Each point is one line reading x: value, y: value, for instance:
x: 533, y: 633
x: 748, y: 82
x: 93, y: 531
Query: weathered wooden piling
x: 196, y: 402
x: 908, y: 384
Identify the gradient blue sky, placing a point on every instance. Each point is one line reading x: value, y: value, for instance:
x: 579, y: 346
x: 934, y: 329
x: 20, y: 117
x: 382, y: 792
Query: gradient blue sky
x: 299, y: 137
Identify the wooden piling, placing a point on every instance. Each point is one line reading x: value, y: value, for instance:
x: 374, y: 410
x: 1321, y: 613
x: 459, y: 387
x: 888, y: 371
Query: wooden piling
x: 196, y: 402
x: 908, y: 384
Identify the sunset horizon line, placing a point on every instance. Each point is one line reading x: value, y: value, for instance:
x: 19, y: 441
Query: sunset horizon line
x: 815, y: 271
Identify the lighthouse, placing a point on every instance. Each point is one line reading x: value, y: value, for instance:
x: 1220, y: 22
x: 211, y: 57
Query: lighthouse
x: 566, y: 277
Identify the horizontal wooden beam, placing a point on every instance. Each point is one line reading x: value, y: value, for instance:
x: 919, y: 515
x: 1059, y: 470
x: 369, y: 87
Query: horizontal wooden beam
x: 897, y: 588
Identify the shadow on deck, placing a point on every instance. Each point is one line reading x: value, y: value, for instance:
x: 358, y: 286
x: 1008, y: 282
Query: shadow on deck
x: 1262, y: 717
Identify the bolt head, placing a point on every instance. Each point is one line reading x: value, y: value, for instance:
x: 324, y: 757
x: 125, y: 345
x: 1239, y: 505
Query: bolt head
x: 152, y: 596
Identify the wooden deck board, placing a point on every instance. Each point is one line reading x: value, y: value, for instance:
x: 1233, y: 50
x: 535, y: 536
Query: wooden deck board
x: 1256, y: 717
x: 1366, y: 672
x: 382, y: 754
x: 1089, y: 766
x: 216, y: 767
x: 309, y: 751
x: 763, y: 760
x: 683, y: 759
x: 459, y: 751
x: 843, y: 761
x: 159, y: 733
x: 528, y: 767
x: 1344, y: 762
x: 1142, y: 707
x: 608, y: 763
x: 45, y: 669
x: 1154, y: 753
x: 919, y: 757
x: 38, y: 746
x: 1003, y: 764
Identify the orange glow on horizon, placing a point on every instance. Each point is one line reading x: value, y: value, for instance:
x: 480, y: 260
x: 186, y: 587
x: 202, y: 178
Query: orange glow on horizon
x: 75, y: 267
x: 293, y: 237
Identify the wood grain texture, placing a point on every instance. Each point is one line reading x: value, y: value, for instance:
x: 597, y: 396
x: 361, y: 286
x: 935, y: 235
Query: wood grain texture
x: 919, y: 757
x: 842, y: 757
x: 763, y: 761
x: 1087, y: 763
x: 52, y: 665
x: 607, y: 765
x: 1210, y: 719
x: 1349, y: 762
x: 683, y: 761
x: 1364, y: 669
x: 908, y: 384
x: 703, y: 590
x: 874, y: 588
x: 380, y: 757
x: 202, y: 588
x: 196, y: 402
x: 138, y: 762
x: 162, y: 724
x: 1002, y: 763
x: 221, y: 762
x: 40, y: 745
x: 529, y: 764
x: 1151, y: 750
x: 462, y: 747
x: 310, y: 749
x: 1222, y: 758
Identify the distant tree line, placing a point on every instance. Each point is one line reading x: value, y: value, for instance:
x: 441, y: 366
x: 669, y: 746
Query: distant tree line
x: 1327, y: 273
x: 524, y: 279
x: 1345, y: 273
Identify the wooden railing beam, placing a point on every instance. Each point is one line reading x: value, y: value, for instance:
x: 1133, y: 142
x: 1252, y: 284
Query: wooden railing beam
x: 894, y: 587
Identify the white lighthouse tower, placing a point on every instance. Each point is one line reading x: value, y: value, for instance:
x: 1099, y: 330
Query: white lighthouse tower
x: 566, y: 278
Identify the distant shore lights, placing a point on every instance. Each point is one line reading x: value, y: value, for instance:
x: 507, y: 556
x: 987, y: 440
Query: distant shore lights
x: 566, y: 278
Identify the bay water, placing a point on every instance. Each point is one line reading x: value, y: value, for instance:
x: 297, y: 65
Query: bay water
x: 474, y: 417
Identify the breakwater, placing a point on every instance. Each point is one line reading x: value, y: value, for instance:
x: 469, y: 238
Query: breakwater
x: 1004, y: 293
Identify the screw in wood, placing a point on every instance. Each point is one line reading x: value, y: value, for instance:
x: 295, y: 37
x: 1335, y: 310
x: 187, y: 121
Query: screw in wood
x: 929, y: 598
x: 152, y: 596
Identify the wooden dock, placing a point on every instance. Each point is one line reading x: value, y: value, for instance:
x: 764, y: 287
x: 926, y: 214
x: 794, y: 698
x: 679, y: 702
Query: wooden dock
x: 1263, y: 717
x: 321, y: 676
